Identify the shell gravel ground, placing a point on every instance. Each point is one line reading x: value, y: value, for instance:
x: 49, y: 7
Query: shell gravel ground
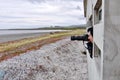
x: 61, y: 60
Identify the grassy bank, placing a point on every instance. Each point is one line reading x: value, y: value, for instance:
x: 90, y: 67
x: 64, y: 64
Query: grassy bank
x: 13, y: 48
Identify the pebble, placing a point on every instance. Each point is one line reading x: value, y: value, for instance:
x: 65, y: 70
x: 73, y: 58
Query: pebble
x: 61, y: 60
x: 2, y: 73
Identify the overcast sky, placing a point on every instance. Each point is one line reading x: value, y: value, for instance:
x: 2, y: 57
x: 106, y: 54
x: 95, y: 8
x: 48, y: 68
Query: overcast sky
x: 40, y: 13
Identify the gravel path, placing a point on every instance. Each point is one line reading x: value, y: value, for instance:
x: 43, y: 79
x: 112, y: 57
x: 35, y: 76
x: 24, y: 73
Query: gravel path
x: 57, y: 61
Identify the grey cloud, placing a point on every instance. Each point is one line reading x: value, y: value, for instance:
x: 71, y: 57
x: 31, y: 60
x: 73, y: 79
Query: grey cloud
x: 72, y: 0
x: 36, y: 1
x: 39, y: 1
x: 41, y: 12
x: 78, y: 7
x: 54, y: 2
x: 11, y: 17
x: 72, y: 8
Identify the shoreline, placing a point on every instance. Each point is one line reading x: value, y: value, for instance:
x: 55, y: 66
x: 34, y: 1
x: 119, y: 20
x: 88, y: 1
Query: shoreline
x: 17, y: 47
x: 12, y: 37
x: 26, y: 44
x: 61, y: 60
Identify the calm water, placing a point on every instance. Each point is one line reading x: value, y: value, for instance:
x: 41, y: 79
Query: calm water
x: 6, y: 32
x: 10, y: 35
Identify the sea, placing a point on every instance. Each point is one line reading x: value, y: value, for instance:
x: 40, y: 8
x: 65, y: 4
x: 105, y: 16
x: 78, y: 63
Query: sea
x: 11, y: 35
x: 8, y: 32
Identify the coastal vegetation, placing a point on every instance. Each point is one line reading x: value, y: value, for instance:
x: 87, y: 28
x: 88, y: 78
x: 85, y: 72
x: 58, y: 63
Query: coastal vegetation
x: 13, y: 48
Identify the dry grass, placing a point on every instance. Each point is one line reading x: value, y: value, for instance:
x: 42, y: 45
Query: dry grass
x: 13, y: 48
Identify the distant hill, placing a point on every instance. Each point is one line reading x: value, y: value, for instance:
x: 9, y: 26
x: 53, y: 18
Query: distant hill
x: 71, y: 27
